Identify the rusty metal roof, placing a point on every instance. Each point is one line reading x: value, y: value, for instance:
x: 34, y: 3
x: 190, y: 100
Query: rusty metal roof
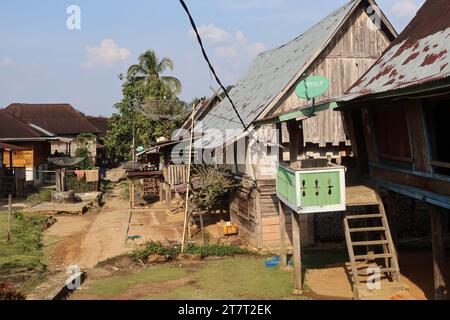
x: 419, y: 55
x: 61, y: 119
x: 272, y: 71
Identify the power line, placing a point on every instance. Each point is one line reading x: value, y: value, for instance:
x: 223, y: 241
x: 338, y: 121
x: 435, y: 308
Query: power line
x: 205, y: 56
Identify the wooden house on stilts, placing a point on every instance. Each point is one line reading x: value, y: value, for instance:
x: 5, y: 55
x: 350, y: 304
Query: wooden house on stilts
x: 341, y: 47
x: 398, y: 121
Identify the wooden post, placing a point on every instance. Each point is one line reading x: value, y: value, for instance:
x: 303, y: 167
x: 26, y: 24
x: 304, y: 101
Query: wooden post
x: 9, y: 218
x: 188, y: 180
x: 169, y: 197
x: 297, y: 257
x: 392, y: 217
x: 294, y: 147
x: 283, y: 251
x: 440, y: 287
x: 202, y: 227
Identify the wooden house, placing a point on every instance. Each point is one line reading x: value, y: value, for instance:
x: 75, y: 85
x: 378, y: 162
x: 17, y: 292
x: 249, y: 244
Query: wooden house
x: 341, y: 47
x: 398, y: 118
x: 12, y: 179
x: 43, y: 131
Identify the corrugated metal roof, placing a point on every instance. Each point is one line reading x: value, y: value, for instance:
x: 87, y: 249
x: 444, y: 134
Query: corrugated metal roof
x: 420, y: 54
x: 61, y: 119
x: 271, y: 72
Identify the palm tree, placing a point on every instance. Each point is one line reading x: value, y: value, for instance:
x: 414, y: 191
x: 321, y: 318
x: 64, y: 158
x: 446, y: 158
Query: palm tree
x: 150, y: 68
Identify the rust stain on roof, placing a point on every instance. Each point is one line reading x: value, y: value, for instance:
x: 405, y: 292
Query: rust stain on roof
x: 418, y: 55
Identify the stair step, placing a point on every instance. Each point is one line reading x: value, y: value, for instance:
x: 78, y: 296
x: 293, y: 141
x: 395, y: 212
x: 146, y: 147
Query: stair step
x: 370, y: 243
x: 367, y: 229
x: 373, y: 256
x: 364, y: 216
x: 382, y: 270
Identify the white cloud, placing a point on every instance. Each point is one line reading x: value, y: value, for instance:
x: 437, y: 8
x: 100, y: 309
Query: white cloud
x: 106, y: 54
x: 7, y: 62
x: 239, y: 46
x: 228, y: 45
x: 227, y: 52
x: 212, y: 33
x: 406, y: 8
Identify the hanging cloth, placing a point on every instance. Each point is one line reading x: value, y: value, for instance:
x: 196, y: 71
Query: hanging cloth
x: 91, y: 175
x: 79, y: 174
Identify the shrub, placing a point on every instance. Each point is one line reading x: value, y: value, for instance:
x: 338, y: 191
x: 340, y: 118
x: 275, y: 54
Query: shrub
x: 34, y: 199
x: 210, y: 185
x: 217, y: 250
x: 7, y: 293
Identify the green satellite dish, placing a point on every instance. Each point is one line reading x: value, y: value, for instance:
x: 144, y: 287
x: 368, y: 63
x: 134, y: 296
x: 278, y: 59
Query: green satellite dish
x: 312, y: 87
x: 140, y: 149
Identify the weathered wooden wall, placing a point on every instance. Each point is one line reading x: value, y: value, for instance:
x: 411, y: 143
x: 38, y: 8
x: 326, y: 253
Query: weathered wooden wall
x: 255, y: 210
x: 354, y: 49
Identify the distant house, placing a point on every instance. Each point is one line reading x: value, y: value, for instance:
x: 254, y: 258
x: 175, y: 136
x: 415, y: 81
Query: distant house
x: 340, y: 47
x: 61, y: 120
x: 44, y: 130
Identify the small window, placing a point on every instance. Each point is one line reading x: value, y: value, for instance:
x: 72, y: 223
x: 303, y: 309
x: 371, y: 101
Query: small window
x: 439, y: 131
x: 394, y: 144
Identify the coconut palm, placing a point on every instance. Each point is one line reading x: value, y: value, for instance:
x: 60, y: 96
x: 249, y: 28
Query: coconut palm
x: 150, y: 68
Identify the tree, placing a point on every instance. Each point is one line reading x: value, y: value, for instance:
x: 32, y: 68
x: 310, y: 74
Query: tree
x: 149, y: 70
x: 160, y: 113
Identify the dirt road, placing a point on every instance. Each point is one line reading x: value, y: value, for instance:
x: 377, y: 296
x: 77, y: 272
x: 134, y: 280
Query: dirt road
x: 94, y: 237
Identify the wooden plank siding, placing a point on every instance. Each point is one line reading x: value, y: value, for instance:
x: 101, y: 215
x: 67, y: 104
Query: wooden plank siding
x: 354, y: 49
x: 263, y: 232
x: 36, y: 154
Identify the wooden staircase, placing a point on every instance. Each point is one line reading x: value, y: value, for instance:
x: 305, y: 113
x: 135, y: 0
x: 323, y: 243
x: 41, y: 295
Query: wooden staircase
x: 371, y: 249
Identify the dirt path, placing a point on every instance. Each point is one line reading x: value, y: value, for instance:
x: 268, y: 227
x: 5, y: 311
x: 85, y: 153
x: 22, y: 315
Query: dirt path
x: 94, y: 237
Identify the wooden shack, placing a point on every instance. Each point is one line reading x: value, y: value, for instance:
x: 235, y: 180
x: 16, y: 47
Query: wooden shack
x: 398, y: 118
x: 341, y: 47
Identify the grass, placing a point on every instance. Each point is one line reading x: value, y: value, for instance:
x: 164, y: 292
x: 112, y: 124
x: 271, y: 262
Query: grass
x: 234, y: 279
x: 117, y: 284
x: 24, y: 252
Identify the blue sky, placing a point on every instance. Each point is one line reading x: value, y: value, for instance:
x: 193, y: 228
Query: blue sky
x: 41, y: 61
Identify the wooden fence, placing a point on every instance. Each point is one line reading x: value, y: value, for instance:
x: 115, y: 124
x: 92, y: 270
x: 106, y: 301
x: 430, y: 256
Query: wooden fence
x: 176, y: 174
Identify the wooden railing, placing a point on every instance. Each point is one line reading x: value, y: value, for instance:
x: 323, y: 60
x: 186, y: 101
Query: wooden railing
x: 176, y: 174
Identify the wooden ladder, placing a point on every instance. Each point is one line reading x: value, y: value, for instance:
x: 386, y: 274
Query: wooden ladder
x: 377, y: 236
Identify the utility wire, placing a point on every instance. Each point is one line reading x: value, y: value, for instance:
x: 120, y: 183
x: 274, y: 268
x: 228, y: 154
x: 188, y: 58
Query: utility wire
x: 205, y: 56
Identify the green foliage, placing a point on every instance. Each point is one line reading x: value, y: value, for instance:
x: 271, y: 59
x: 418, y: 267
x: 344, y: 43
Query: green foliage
x: 23, y: 252
x: 7, y: 293
x: 210, y: 185
x: 34, y: 199
x: 83, y: 141
x: 143, y: 85
x: 153, y: 247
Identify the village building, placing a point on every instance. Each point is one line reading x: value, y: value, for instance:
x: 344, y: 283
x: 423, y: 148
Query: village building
x: 341, y: 47
x: 397, y: 114
x: 43, y: 130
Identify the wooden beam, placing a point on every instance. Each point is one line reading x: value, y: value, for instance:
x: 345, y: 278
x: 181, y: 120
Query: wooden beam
x: 440, y: 287
x: 392, y: 216
x: 297, y: 257
x: 294, y: 141
x: 283, y: 251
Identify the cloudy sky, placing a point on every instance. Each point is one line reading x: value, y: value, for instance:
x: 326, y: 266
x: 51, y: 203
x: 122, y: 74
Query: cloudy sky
x: 41, y: 60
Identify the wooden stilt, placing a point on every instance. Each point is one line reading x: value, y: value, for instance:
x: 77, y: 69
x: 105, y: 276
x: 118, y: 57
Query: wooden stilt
x: 440, y: 287
x: 392, y: 202
x: 283, y: 251
x: 298, y: 285
x: 202, y: 228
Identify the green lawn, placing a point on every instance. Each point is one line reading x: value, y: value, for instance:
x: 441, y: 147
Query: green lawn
x: 233, y: 278
x: 24, y: 252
